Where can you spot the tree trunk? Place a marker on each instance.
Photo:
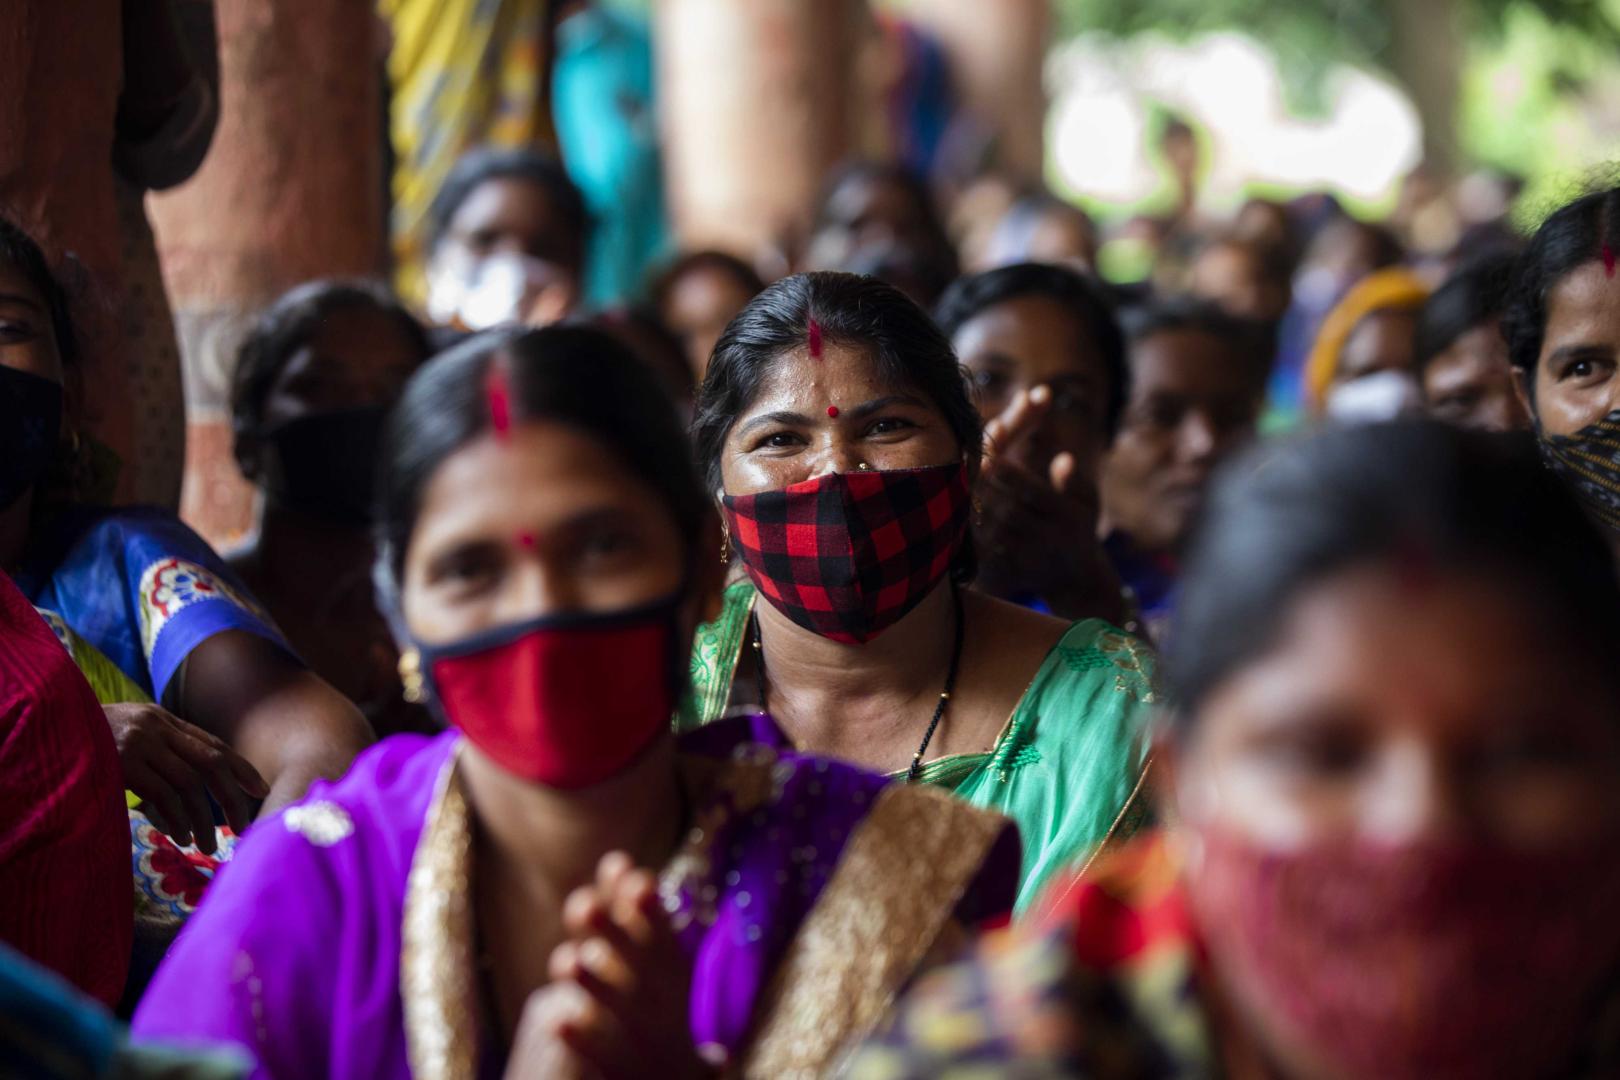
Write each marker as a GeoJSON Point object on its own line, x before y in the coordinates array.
{"type": "Point", "coordinates": [1426, 55]}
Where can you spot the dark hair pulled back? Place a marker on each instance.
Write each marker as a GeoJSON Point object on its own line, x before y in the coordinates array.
{"type": "Point", "coordinates": [1571, 237]}
{"type": "Point", "coordinates": [852, 310]}
{"type": "Point", "coordinates": [1293, 512]}
{"type": "Point", "coordinates": [290, 322]}
{"type": "Point", "coordinates": [573, 375]}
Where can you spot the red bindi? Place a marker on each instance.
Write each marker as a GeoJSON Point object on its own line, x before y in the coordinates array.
{"type": "Point", "coordinates": [527, 541]}
{"type": "Point", "coordinates": [832, 411]}
{"type": "Point", "coordinates": [1608, 261]}
{"type": "Point", "coordinates": [815, 340]}
{"type": "Point", "coordinates": [499, 396]}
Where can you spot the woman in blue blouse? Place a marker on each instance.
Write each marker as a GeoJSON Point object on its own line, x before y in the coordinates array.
{"type": "Point", "coordinates": [233, 704]}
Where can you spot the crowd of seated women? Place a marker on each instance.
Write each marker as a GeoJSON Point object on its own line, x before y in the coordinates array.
{"type": "Point", "coordinates": [765, 680]}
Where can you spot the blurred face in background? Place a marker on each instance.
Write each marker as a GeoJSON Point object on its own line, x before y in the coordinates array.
{"type": "Point", "coordinates": [1266, 224]}
{"type": "Point", "coordinates": [1233, 275]}
{"type": "Point", "coordinates": [698, 305]}
{"type": "Point", "coordinates": [1061, 235]}
{"type": "Point", "coordinates": [1343, 253]}
{"type": "Point", "coordinates": [870, 211]}
{"type": "Point", "coordinates": [509, 254]}
{"type": "Point", "coordinates": [1470, 382]}
{"type": "Point", "coordinates": [1193, 399]}
{"type": "Point", "coordinates": [878, 224]}
{"type": "Point", "coordinates": [357, 357]}
{"type": "Point", "coordinates": [1031, 341]}
{"type": "Point", "coordinates": [1383, 341]}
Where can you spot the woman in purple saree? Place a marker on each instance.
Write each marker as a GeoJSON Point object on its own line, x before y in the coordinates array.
{"type": "Point", "coordinates": [557, 886]}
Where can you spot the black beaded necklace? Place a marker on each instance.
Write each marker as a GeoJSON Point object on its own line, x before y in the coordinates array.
{"type": "Point", "coordinates": [944, 698]}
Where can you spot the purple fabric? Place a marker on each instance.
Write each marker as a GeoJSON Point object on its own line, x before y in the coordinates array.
{"type": "Point", "coordinates": [294, 953]}
{"type": "Point", "coordinates": [769, 869]}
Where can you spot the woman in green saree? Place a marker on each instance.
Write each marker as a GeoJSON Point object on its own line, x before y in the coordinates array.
{"type": "Point", "coordinates": [835, 428]}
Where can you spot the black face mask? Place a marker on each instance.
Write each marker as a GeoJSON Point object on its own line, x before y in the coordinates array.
{"type": "Point", "coordinates": [324, 464]}
{"type": "Point", "coordinates": [1589, 462]}
{"type": "Point", "coordinates": [30, 426]}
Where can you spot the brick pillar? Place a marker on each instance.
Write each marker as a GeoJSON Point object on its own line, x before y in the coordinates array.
{"type": "Point", "coordinates": [291, 190]}
{"type": "Point", "coordinates": [757, 102]}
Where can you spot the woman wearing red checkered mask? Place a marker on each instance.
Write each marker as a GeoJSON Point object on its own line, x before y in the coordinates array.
{"type": "Point", "coordinates": [836, 432]}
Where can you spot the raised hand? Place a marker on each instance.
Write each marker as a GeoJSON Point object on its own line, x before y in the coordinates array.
{"type": "Point", "coordinates": [1037, 529]}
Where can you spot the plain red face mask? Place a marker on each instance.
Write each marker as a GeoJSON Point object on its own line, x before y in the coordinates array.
{"type": "Point", "coordinates": [1416, 961]}
{"type": "Point", "coordinates": [566, 701]}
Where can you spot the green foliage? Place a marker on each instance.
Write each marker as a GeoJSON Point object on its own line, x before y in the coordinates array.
{"type": "Point", "coordinates": [1356, 30]}
{"type": "Point", "coordinates": [1532, 68]}
{"type": "Point", "coordinates": [1307, 35]}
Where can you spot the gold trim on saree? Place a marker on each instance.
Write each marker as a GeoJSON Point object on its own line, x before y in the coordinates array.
{"type": "Point", "coordinates": [436, 980]}
{"type": "Point", "coordinates": [437, 971]}
{"type": "Point", "coordinates": [902, 873]}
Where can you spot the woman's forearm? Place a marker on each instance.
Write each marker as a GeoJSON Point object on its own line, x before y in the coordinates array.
{"type": "Point", "coordinates": [290, 724]}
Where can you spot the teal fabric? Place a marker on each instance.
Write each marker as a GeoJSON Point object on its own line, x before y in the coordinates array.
{"type": "Point", "coordinates": [607, 129]}
{"type": "Point", "coordinates": [50, 1030]}
{"type": "Point", "coordinates": [1067, 766]}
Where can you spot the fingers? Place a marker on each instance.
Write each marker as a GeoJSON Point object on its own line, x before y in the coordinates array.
{"type": "Point", "coordinates": [227, 775]}
{"type": "Point", "coordinates": [1062, 472]}
{"type": "Point", "coordinates": [635, 908]}
{"type": "Point", "coordinates": [1019, 419]}
{"type": "Point", "coordinates": [159, 802]}
{"type": "Point", "coordinates": [1011, 484]}
{"type": "Point", "coordinates": [611, 869]}
{"type": "Point", "coordinates": [621, 906]}
{"type": "Point", "coordinates": [536, 1049]}
{"type": "Point", "coordinates": [585, 1019]}
{"type": "Point", "coordinates": [588, 914]}
{"type": "Point", "coordinates": [175, 763]}
{"type": "Point", "coordinates": [598, 969]}
{"type": "Point", "coordinates": [197, 817]}
{"type": "Point", "coordinates": [625, 957]}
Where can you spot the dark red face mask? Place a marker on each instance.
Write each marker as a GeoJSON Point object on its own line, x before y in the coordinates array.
{"type": "Point", "coordinates": [563, 701]}
{"type": "Point", "coordinates": [1415, 961]}
{"type": "Point", "coordinates": [847, 555]}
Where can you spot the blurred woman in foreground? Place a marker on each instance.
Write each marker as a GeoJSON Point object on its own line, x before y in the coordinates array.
{"type": "Point", "coordinates": [1393, 795]}
{"type": "Point", "coordinates": [558, 886]}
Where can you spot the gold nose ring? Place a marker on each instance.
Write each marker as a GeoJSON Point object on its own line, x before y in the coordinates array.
{"type": "Point", "coordinates": [863, 467]}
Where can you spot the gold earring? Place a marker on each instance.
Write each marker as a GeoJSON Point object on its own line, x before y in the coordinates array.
{"type": "Point", "coordinates": [410, 674]}
{"type": "Point", "coordinates": [725, 543]}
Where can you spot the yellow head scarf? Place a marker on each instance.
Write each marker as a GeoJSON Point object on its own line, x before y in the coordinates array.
{"type": "Point", "coordinates": [1384, 290]}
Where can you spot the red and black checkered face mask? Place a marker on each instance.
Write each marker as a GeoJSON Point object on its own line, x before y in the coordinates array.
{"type": "Point", "coordinates": [847, 555]}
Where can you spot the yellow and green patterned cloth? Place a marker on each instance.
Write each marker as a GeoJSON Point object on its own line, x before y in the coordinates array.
{"type": "Point", "coordinates": [463, 73]}
{"type": "Point", "coordinates": [1069, 764]}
